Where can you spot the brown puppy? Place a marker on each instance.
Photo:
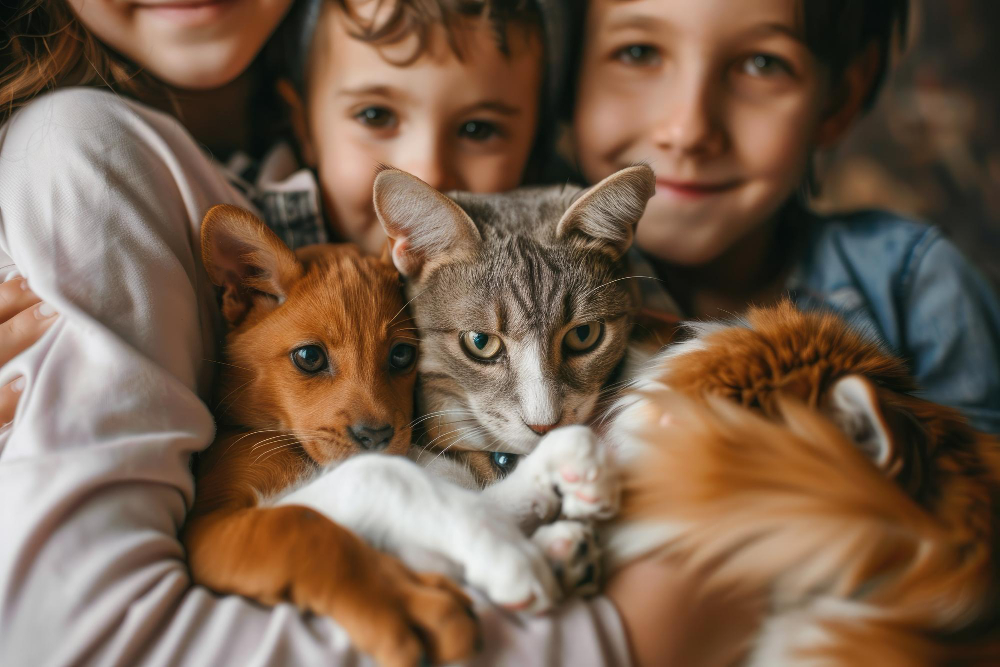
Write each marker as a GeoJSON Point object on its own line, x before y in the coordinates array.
{"type": "Point", "coordinates": [319, 365]}
{"type": "Point", "coordinates": [789, 455]}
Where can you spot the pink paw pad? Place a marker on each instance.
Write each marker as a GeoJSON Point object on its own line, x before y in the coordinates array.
{"type": "Point", "coordinates": [569, 474]}
{"type": "Point", "coordinates": [559, 549]}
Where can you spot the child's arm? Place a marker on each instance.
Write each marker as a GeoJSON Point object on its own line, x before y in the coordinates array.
{"type": "Point", "coordinates": [952, 330]}
{"type": "Point", "coordinates": [98, 203]}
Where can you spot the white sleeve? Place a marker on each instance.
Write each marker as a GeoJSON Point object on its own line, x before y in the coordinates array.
{"type": "Point", "coordinates": [100, 201]}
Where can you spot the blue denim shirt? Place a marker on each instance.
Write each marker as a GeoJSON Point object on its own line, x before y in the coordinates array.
{"type": "Point", "coordinates": [910, 287]}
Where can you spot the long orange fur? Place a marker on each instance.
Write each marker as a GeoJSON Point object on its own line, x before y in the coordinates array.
{"type": "Point", "coordinates": [867, 567]}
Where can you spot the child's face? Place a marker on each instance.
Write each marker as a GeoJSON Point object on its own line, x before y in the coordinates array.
{"type": "Point", "coordinates": [722, 99]}
{"type": "Point", "coordinates": [464, 124]}
{"type": "Point", "coordinates": [195, 44]}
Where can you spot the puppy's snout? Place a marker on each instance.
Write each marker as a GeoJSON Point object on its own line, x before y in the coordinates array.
{"type": "Point", "coordinates": [371, 437]}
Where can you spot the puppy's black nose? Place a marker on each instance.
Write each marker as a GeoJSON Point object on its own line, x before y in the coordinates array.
{"type": "Point", "coordinates": [372, 438]}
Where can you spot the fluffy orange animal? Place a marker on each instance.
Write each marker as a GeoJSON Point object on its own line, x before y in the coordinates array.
{"type": "Point", "coordinates": [789, 456]}
{"type": "Point", "coordinates": [319, 366]}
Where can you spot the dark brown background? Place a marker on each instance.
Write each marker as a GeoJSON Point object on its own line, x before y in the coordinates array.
{"type": "Point", "coordinates": [931, 148]}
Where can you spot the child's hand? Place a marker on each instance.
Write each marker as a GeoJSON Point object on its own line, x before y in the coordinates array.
{"type": "Point", "coordinates": [23, 320]}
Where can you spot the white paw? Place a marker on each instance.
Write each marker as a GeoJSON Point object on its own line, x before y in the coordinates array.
{"type": "Point", "coordinates": [511, 569]}
{"type": "Point", "coordinates": [572, 549]}
{"type": "Point", "coordinates": [570, 465]}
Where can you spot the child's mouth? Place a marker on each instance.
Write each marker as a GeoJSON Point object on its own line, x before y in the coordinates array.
{"type": "Point", "coordinates": [692, 189]}
{"type": "Point", "coordinates": [188, 12]}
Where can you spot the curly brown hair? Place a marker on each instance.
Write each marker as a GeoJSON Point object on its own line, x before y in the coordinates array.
{"type": "Point", "coordinates": [402, 20]}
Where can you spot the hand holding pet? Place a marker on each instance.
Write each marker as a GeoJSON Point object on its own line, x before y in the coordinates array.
{"type": "Point", "coordinates": [23, 320]}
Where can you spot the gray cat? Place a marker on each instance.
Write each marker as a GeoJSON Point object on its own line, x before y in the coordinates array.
{"type": "Point", "coordinates": [522, 301]}
{"type": "Point", "coordinates": [524, 311]}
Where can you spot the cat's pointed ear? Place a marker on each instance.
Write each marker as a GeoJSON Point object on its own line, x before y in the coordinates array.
{"type": "Point", "coordinates": [424, 226]}
{"type": "Point", "coordinates": [853, 405]}
{"type": "Point", "coordinates": [606, 214]}
{"type": "Point", "coordinates": [246, 259]}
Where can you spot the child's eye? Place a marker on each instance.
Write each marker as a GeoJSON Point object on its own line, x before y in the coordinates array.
{"type": "Point", "coordinates": [638, 54]}
{"type": "Point", "coordinates": [376, 117]}
{"type": "Point", "coordinates": [478, 130]}
{"type": "Point", "coordinates": [762, 64]}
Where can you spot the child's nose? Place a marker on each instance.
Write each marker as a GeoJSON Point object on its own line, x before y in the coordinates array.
{"type": "Point", "coordinates": [687, 120]}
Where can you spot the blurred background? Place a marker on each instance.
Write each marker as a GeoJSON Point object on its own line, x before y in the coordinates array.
{"type": "Point", "coordinates": [931, 148]}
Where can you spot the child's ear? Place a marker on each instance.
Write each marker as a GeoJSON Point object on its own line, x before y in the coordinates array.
{"type": "Point", "coordinates": [296, 106]}
{"type": "Point", "coordinates": [424, 227]}
{"type": "Point", "coordinates": [848, 99]}
{"type": "Point", "coordinates": [246, 259]}
{"type": "Point", "coordinates": [605, 215]}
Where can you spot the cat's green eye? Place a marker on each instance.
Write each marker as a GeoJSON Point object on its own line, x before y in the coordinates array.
{"type": "Point", "coordinates": [481, 345]}
{"type": "Point", "coordinates": [583, 337]}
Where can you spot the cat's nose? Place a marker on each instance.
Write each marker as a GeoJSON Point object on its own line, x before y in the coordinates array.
{"type": "Point", "coordinates": [371, 437]}
{"type": "Point", "coordinates": [541, 429]}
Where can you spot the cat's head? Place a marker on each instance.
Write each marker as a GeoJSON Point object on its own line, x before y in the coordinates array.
{"type": "Point", "coordinates": [523, 300]}
{"type": "Point", "coordinates": [319, 351]}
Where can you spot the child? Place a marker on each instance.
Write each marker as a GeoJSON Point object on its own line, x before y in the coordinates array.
{"type": "Point", "coordinates": [464, 104]}
{"type": "Point", "coordinates": [728, 108]}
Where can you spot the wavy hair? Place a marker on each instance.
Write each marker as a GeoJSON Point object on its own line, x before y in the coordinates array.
{"type": "Point", "coordinates": [45, 47]}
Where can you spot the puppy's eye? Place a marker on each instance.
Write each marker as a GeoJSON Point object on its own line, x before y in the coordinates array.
{"type": "Point", "coordinates": [309, 358]}
{"type": "Point", "coordinates": [503, 462]}
{"type": "Point", "coordinates": [583, 337]}
{"type": "Point", "coordinates": [480, 345]}
{"type": "Point", "coordinates": [402, 356]}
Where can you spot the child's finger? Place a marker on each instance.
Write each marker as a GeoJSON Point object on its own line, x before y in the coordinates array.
{"type": "Point", "coordinates": [15, 297]}
{"type": "Point", "coordinates": [21, 331]}
{"type": "Point", "coordinates": [10, 394]}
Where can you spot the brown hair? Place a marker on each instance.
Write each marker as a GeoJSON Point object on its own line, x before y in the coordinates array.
{"type": "Point", "coordinates": [839, 31]}
{"type": "Point", "coordinates": [404, 19]}
{"type": "Point", "coordinates": [47, 47]}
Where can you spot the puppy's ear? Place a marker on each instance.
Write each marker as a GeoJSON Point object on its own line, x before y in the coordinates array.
{"type": "Point", "coordinates": [424, 227]}
{"type": "Point", "coordinates": [853, 405]}
{"type": "Point", "coordinates": [246, 259]}
{"type": "Point", "coordinates": [605, 215]}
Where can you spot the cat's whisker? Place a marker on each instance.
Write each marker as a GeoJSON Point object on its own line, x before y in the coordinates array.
{"type": "Point", "coordinates": [439, 413]}
{"type": "Point", "coordinates": [457, 430]}
{"type": "Point", "coordinates": [273, 438]}
{"type": "Point", "coordinates": [223, 399]}
{"type": "Point", "coordinates": [403, 309]}
{"type": "Point", "coordinates": [457, 440]}
{"type": "Point", "coordinates": [249, 433]}
{"type": "Point", "coordinates": [616, 280]}
{"type": "Point", "coordinates": [224, 363]}
{"type": "Point", "coordinates": [467, 436]}
{"type": "Point", "coordinates": [271, 451]}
